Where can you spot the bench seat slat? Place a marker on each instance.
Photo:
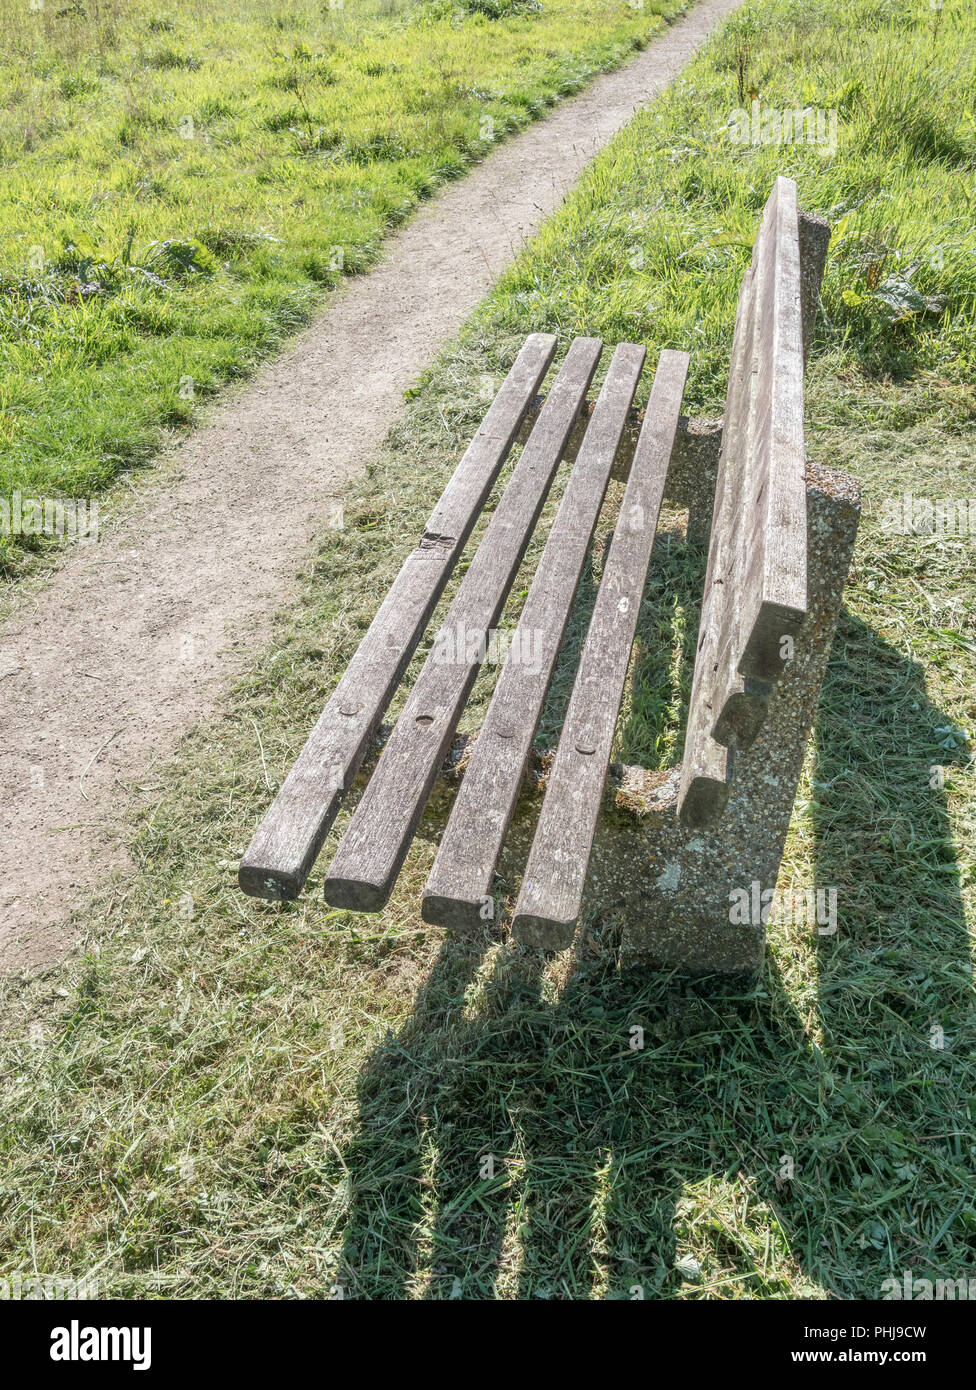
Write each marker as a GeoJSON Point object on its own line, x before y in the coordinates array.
{"type": "Point", "coordinates": [457, 890]}
{"type": "Point", "coordinates": [549, 902]}
{"type": "Point", "coordinates": [286, 844]}
{"type": "Point", "coordinates": [370, 854]}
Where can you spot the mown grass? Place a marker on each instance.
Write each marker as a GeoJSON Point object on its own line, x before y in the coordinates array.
{"type": "Point", "coordinates": [225, 1098]}
{"type": "Point", "coordinates": [178, 184]}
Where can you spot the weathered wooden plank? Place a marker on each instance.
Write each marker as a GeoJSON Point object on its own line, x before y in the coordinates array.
{"type": "Point", "coordinates": [551, 895]}
{"type": "Point", "coordinates": [743, 714]}
{"type": "Point", "coordinates": [755, 588]}
{"type": "Point", "coordinates": [774, 586]}
{"type": "Point", "coordinates": [369, 856]}
{"type": "Point", "coordinates": [706, 766]}
{"type": "Point", "coordinates": [457, 890]}
{"type": "Point", "coordinates": [286, 844]}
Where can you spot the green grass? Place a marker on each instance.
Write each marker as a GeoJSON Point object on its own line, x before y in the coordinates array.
{"type": "Point", "coordinates": [179, 184]}
{"type": "Point", "coordinates": [654, 244]}
{"type": "Point", "coordinates": [227, 1098]}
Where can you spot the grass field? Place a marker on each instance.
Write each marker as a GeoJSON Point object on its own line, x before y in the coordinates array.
{"type": "Point", "coordinates": [179, 183]}
{"type": "Point", "coordinates": [226, 1098]}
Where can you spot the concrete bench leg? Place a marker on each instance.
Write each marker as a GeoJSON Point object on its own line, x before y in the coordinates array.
{"type": "Point", "coordinates": [672, 890]}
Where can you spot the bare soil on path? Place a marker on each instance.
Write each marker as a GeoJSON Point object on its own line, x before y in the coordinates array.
{"type": "Point", "coordinates": [133, 640]}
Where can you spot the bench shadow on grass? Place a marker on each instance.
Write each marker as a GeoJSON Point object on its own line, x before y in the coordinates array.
{"type": "Point", "coordinates": [511, 1143]}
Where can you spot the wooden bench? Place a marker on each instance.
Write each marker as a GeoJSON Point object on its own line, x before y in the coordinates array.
{"type": "Point", "coordinates": [765, 627]}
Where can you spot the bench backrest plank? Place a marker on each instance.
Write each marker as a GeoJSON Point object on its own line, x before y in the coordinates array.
{"type": "Point", "coordinates": [756, 581]}
{"type": "Point", "coordinates": [706, 766]}
{"type": "Point", "coordinates": [774, 522]}
{"type": "Point", "coordinates": [457, 891]}
{"type": "Point", "coordinates": [286, 844]}
{"type": "Point", "coordinates": [549, 902]}
{"type": "Point", "coordinates": [369, 856]}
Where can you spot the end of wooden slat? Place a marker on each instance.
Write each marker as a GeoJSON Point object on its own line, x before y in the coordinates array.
{"type": "Point", "coordinates": [547, 342]}
{"type": "Point", "coordinates": [704, 803]}
{"type": "Point", "coordinates": [742, 715]}
{"type": "Point", "coordinates": [674, 363]}
{"type": "Point", "coordinates": [276, 885]}
{"type": "Point", "coordinates": [356, 895]}
{"type": "Point", "coordinates": [275, 865]}
{"type": "Point", "coordinates": [456, 914]}
{"type": "Point", "coordinates": [543, 933]}
{"type": "Point", "coordinates": [769, 646]}
{"type": "Point", "coordinates": [286, 844]}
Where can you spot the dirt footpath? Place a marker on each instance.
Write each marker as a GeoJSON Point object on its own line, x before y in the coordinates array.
{"type": "Point", "coordinates": [132, 640]}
